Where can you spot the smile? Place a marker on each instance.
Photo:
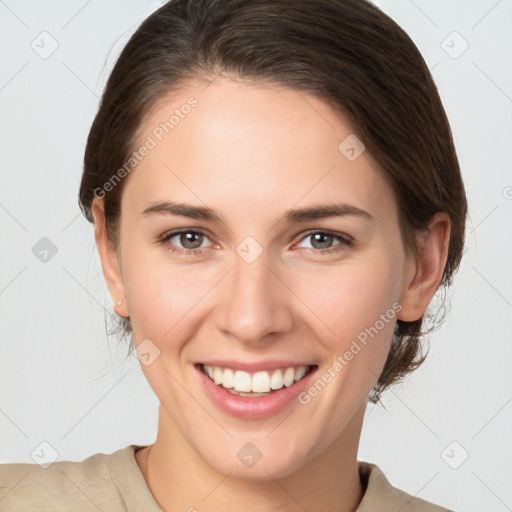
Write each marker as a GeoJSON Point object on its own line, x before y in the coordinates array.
{"type": "Point", "coordinates": [260, 383]}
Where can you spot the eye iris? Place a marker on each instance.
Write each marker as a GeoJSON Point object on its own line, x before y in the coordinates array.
{"type": "Point", "coordinates": [324, 244]}
{"type": "Point", "coordinates": [185, 238]}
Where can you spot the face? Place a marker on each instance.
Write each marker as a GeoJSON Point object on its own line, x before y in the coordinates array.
{"type": "Point", "coordinates": [242, 282]}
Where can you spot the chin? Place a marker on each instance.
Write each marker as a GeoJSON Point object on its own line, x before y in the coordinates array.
{"type": "Point", "coordinates": [256, 458]}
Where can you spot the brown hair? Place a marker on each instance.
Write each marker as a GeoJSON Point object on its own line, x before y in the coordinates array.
{"type": "Point", "coordinates": [345, 52]}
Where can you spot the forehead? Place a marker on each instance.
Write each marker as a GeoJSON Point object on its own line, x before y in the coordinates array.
{"type": "Point", "coordinates": [249, 144]}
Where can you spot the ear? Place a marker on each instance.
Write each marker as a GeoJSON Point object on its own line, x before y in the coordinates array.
{"type": "Point", "coordinates": [110, 262]}
{"type": "Point", "coordinates": [426, 269]}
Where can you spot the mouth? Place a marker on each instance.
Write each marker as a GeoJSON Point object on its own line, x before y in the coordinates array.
{"type": "Point", "coordinates": [255, 384]}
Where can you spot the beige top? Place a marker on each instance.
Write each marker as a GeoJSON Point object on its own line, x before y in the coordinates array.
{"type": "Point", "coordinates": [114, 483]}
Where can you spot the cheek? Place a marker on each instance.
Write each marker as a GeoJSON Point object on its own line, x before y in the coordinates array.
{"type": "Point", "coordinates": [350, 298]}
{"type": "Point", "coordinates": [161, 307]}
{"type": "Point", "coordinates": [164, 301]}
{"type": "Point", "coordinates": [358, 302]}
{"type": "Point", "coordinates": [161, 294]}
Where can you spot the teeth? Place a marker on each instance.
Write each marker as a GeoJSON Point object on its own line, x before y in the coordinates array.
{"type": "Point", "coordinates": [276, 381]}
{"type": "Point", "coordinates": [242, 382]}
{"type": "Point", "coordinates": [217, 374]}
{"type": "Point", "coordinates": [300, 372]}
{"type": "Point", "coordinates": [227, 378]}
{"type": "Point", "coordinates": [289, 376]}
{"type": "Point", "coordinates": [259, 382]}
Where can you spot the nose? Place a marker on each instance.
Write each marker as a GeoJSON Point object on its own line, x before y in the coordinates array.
{"type": "Point", "coordinates": [254, 302]}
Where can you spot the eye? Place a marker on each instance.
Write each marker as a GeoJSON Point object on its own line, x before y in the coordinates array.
{"type": "Point", "coordinates": [322, 241]}
{"type": "Point", "coordinates": [190, 240]}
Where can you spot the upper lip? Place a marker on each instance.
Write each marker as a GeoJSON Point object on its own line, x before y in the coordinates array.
{"type": "Point", "coordinates": [269, 364]}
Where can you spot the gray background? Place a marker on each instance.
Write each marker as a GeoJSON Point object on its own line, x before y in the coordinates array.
{"type": "Point", "coordinates": [63, 381]}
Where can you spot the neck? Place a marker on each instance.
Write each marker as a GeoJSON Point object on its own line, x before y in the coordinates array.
{"type": "Point", "coordinates": [180, 480]}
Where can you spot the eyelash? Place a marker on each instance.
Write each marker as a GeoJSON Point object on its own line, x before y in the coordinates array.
{"type": "Point", "coordinates": [345, 241]}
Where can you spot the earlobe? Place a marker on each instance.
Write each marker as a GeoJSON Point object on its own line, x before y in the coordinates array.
{"type": "Point", "coordinates": [109, 259]}
{"type": "Point", "coordinates": [426, 271]}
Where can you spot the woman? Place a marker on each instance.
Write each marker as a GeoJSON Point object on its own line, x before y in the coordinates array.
{"type": "Point", "coordinates": [276, 199]}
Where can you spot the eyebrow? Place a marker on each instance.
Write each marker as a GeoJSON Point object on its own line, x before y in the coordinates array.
{"type": "Point", "coordinates": [291, 216]}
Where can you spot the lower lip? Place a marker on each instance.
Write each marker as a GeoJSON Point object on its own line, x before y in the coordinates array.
{"type": "Point", "coordinates": [253, 408]}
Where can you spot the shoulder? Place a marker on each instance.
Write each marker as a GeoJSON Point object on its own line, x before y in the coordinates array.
{"type": "Point", "coordinates": [381, 495]}
{"type": "Point", "coordinates": [86, 485]}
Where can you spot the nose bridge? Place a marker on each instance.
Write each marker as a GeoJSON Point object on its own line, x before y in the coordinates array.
{"type": "Point", "coordinates": [254, 303]}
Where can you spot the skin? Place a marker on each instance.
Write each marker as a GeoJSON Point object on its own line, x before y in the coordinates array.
{"type": "Point", "coordinates": [252, 152]}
